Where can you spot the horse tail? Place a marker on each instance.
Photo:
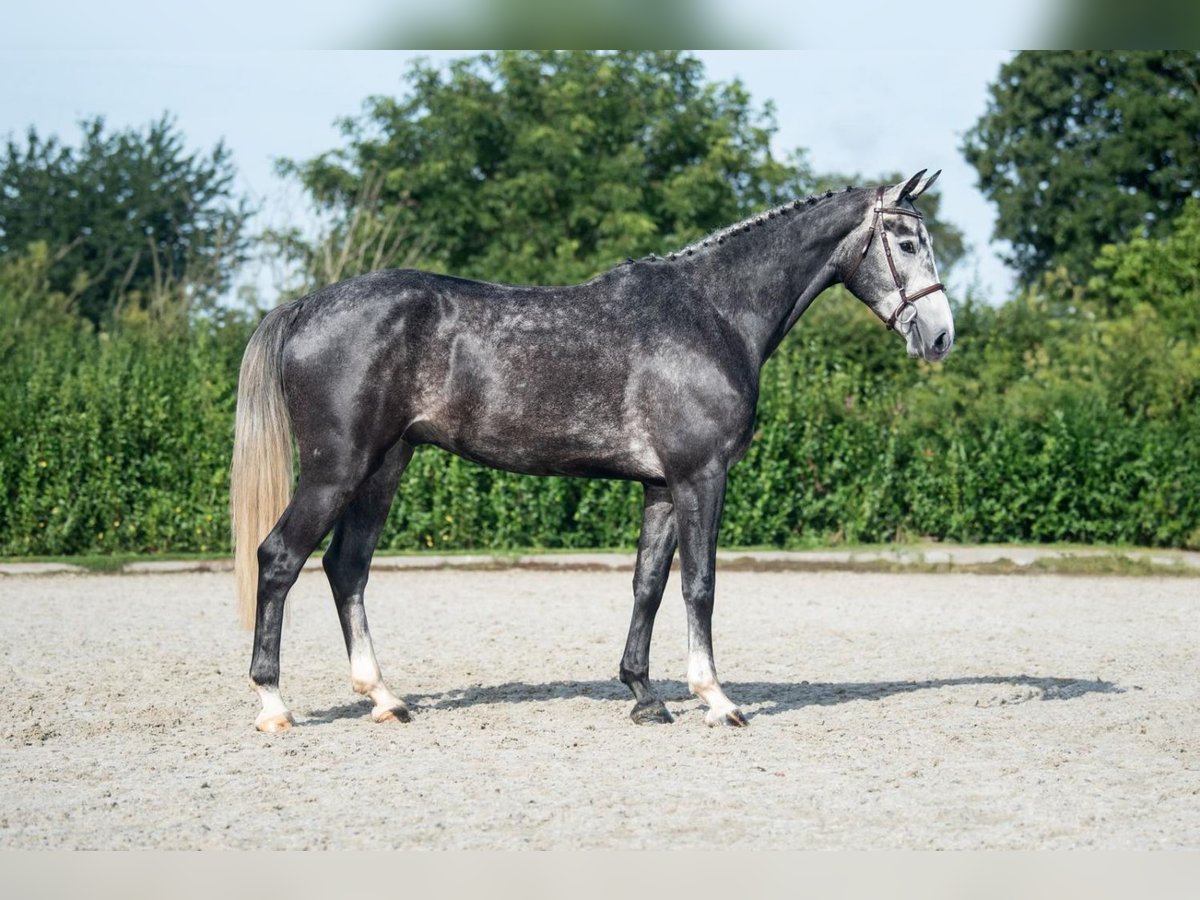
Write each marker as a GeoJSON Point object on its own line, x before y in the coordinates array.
{"type": "Point", "coordinates": [260, 477]}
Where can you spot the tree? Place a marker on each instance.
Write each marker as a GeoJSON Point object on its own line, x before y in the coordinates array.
{"type": "Point", "coordinates": [548, 167]}
{"type": "Point", "coordinates": [1079, 149]}
{"type": "Point", "coordinates": [1164, 273]}
{"type": "Point", "coordinates": [544, 167]}
{"type": "Point", "coordinates": [125, 214]}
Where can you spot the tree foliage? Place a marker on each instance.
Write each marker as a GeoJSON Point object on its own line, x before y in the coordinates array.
{"type": "Point", "coordinates": [1079, 149]}
{"type": "Point", "coordinates": [548, 167]}
{"type": "Point", "coordinates": [1163, 274]}
{"type": "Point", "coordinates": [545, 167]}
{"type": "Point", "coordinates": [126, 214]}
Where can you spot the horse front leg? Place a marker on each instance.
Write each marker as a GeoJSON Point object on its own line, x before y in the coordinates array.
{"type": "Point", "coordinates": [348, 565]}
{"type": "Point", "coordinates": [698, 504]}
{"type": "Point", "coordinates": [656, 549]}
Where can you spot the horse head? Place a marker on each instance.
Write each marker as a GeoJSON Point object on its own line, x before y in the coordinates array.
{"type": "Point", "coordinates": [888, 264]}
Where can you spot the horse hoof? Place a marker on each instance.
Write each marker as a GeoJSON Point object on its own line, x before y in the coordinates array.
{"type": "Point", "coordinates": [274, 722]}
{"type": "Point", "coordinates": [732, 717]}
{"type": "Point", "coordinates": [398, 713]}
{"type": "Point", "coordinates": [651, 712]}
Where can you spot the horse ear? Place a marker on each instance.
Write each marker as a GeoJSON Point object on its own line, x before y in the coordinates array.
{"type": "Point", "coordinates": [925, 185]}
{"type": "Point", "coordinates": [907, 190]}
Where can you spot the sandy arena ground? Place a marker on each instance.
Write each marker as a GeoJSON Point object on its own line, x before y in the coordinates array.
{"type": "Point", "coordinates": [886, 711]}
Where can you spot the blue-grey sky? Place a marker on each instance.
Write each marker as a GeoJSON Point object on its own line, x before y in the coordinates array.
{"type": "Point", "coordinates": [854, 111]}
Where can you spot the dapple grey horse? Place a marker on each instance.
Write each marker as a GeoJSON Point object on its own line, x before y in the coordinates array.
{"type": "Point", "coordinates": [648, 372]}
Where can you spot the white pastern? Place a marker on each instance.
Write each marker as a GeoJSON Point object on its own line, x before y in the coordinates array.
{"type": "Point", "coordinates": [274, 715]}
{"type": "Point", "coordinates": [702, 682]}
{"type": "Point", "coordinates": [367, 680]}
{"type": "Point", "coordinates": [364, 672]}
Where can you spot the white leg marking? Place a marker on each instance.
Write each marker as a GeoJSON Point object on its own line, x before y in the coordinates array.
{"type": "Point", "coordinates": [702, 681]}
{"type": "Point", "coordinates": [366, 679]}
{"type": "Point", "coordinates": [364, 670]}
{"type": "Point", "coordinates": [274, 715]}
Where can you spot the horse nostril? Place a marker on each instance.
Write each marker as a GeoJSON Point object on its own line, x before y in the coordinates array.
{"type": "Point", "coordinates": [941, 343]}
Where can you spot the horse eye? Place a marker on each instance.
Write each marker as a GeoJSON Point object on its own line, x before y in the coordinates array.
{"type": "Point", "coordinates": [907, 247]}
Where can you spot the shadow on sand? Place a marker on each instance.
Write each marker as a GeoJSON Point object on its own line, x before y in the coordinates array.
{"type": "Point", "coordinates": [766, 698]}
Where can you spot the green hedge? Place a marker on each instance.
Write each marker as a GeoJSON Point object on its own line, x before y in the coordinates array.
{"type": "Point", "coordinates": [119, 440]}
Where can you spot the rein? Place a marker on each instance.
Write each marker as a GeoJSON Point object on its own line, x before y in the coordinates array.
{"type": "Point", "coordinates": [906, 300]}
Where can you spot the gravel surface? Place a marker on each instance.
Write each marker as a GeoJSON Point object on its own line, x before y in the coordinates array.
{"type": "Point", "coordinates": [886, 711]}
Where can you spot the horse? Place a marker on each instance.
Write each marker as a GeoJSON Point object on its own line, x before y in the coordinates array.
{"type": "Point", "coordinates": [648, 372]}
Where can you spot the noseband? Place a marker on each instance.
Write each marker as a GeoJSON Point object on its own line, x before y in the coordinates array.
{"type": "Point", "coordinates": [906, 300]}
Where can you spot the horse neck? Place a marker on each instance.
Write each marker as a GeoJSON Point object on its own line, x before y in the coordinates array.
{"type": "Point", "coordinates": [762, 280]}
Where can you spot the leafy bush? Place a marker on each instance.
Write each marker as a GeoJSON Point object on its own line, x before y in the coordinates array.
{"type": "Point", "coordinates": [1062, 416]}
{"type": "Point", "coordinates": [112, 440]}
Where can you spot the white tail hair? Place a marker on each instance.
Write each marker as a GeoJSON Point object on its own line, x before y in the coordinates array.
{"type": "Point", "coordinates": [260, 478]}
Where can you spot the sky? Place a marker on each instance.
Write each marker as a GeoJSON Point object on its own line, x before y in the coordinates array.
{"type": "Point", "coordinates": [853, 110]}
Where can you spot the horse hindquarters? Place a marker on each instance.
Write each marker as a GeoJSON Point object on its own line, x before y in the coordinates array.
{"type": "Point", "coordinates": [332, 469]}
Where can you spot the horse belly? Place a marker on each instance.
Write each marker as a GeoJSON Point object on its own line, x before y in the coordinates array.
{"type": "Point", "coordinates": [531, 448]}
{"type": "Point", "coordinates": [554, 408]}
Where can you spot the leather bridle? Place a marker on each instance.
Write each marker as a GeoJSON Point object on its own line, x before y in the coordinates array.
{"type": "Point", "coordinates": [906, 300]}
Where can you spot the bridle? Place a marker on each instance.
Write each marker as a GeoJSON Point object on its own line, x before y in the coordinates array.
{"type": "Point", "coordinates": [906, 300]}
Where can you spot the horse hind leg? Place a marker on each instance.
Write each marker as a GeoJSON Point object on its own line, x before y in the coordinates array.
{"type": "Point", "coordinates": [347, 565]}
{"type": "Point", "coordinates": [319, 500]}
